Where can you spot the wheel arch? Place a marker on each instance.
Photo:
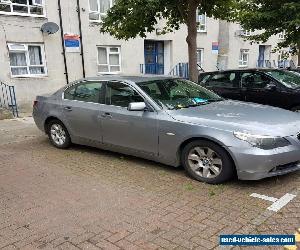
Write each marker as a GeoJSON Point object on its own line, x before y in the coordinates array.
{"type": "Point", "coordinates": [213, 140]}
{"type": "Point", "coordinates": [51, 118]}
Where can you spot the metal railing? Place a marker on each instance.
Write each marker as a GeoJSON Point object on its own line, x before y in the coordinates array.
{"type": "Point", "coordinates": [282, 64]}
{"type": "Point", "coordinates": [181, 70]}
{"type": "Point", "coordinates": [8, 98]}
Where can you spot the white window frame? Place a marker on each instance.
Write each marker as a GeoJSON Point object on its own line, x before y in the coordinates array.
{"type": "Point", "coordinates": [281, 35]}
{"type": "Point", "coordinates": [202, 57]}
{"type": "Point", "coordinates": [244, 63]}
{"type": "Point", "coordinates": [108, 53]}
{"type": "Point", "coordinates": [246, 33]}
{"type": "Point", "coordinates": [9, 45]}
{"type": "Point", "coordinates": [203, 24]}
{"type": "Point", "coordinates": [98, 11]}
{"type": "Point", "coordinates": [14, 13]}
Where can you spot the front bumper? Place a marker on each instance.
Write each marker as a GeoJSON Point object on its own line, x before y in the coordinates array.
{"type": "Point", "coordinates": [254, 164]}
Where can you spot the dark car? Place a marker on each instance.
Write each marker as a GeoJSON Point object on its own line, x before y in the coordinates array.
{"type": "Point", "coordinates": [279, 88]}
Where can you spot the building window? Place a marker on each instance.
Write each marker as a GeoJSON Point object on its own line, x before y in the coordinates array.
{"type": "Point", "coordinates": [99, 8]}
{"type": "Point", "coordinates": [200, 53]}
{"type": "Point", "coordinates": [281, 35]}
{"type": "Point", "coordinates": [109, 60]}
{"type": "Point", "coordinates": [201, 22]}
{"type": "Point", "coordinates": [27, 60]}
{"type": "Point", "coordinates": [244, 58]}
{"type": "Point", "coordinates": [245, 32]}
{"type": "Point", "coordinates": [22, 7]}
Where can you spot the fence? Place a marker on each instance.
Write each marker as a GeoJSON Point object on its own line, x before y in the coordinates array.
{"type": "Point", "coordinates": [8, 98]}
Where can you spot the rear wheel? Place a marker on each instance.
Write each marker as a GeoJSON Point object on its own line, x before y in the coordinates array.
{"type": "Point", "coordinates": [208, 162]}
{"type": "Point", "coordinates": [58, 134]}
{"type": "Point", "coordinates": [296, 109]}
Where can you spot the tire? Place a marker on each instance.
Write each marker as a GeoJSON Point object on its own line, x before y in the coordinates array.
{"type": "Point", "coordinates": [207, 162]}
{"type": "Point", "coordinates": [296, 109]}
{"type": "Point", "coordinates": [58, 134]}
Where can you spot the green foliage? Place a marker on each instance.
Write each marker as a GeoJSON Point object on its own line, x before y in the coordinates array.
{"type": "Point", "coordinates": [131, 18]}
{"type": "Point", "coordinates": [271, 17]}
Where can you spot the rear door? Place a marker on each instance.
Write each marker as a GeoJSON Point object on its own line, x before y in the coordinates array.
{"type": "Point", "coordinates": [81, 107]}
{"type": "Point", "coordinates": [254, 86]}
{"type": "Point", "coordinates": [225, 84]}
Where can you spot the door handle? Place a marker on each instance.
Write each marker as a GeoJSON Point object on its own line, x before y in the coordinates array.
{"type": "Point", "coordinates": [68, 109]}
{"type": "Point", "coordinates": [106, 115]}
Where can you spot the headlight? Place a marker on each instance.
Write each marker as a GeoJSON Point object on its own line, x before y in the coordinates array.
{"type": "Point", "coordinates": [263, 142]}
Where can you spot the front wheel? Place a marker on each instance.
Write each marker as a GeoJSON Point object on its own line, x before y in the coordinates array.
{"type": "Point", "coordinates": [58, 134]}
{"type": "Point", "coordinates": [207, 162]}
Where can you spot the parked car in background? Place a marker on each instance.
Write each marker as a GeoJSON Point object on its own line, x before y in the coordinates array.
{"type": "Point", "coordinates": [175, 122]}
{"type": "Point", "coordinates": [279, 88]}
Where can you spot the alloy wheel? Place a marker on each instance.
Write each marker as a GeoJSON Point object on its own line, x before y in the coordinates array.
{"type": "Point", "coordinates": [205, 162]}
{"type": "Point", "coordinates": [58, 134]}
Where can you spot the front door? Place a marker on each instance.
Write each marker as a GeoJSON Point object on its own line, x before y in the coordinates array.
{"type": "Point", "coordinates": [128, 130]}
{"type": "Point", "coordinates": [154, 57]}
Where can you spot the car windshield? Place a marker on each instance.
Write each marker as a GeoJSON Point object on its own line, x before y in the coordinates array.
{"type": "Point", "coordinates": [178, 93]}
{"type": "Point", "coordinates": [289, 79]}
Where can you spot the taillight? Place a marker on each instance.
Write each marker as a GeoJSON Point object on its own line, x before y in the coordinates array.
{"type": "Point", "coordinates": [35, 103]}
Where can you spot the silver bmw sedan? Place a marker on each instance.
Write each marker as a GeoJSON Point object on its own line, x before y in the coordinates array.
{"type": "Point", "coordinates": [175, 122]}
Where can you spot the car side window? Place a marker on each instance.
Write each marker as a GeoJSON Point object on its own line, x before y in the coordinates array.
{"type": "Point", "coordinates": [85, 92]}
{"type": "Point", "coordinates": [121, 95]}
{"type": "Point", "coordinates": [254, 80]}
{"type": "Point", "coordinates": [204, 79]}
{"type": "Point", "coordinates": [223, 80]}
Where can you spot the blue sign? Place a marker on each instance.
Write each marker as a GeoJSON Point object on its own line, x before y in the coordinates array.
{"type": "Point", "coordinates": [257, 240]}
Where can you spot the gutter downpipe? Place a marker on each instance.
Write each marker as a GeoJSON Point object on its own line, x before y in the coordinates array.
{"type": "Point", "coordinates": [80, 34]}
{"type": "Point", "coordinates": [62, 41]}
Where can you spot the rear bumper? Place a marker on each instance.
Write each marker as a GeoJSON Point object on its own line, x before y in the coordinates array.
{"type": "Point", "coordinates": [255, 164]}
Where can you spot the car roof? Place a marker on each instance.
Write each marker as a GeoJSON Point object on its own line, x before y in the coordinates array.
{"type": "Point", "coordinates": [240, 70]}
{"type": "Point", "coordinates": [132, 78]}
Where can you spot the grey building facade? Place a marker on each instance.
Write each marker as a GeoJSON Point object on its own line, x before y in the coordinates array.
{"type": "Point", "coordinates": [36, 62]}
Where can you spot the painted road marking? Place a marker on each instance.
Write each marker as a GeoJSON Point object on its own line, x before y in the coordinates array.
{"type": "Point", "coordinates": [277, 203]}
{"type": "Point", "coordinates": [284, 200]}
{"type": "Point", "coordinates": [264, 197]}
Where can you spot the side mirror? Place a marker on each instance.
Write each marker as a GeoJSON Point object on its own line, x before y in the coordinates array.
{"type": "Point", "coordinates": [137, 106]}
{"type": "Point", "coordinates": [271, 87]}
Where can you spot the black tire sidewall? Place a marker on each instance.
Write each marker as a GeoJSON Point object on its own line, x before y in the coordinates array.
{"type": "Point", "coordinates": [227, 169]}
{"type": "Point", "coordinates": [68, 138]}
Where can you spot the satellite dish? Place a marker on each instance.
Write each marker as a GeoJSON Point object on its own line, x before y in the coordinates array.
{"type": "Point", "coordinates": [49, 28]}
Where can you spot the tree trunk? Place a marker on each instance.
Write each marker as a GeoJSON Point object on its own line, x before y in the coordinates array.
{"type": "Point", "coordinates": [191, 40]}
{"type": "Point", "coordinates": [299, 55]}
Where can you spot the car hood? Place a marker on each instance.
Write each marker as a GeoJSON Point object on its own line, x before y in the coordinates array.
{"type": "Point", "coordinates": [241, 116]}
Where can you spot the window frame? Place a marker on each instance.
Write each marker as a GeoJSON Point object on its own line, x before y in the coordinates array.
{"type": "Point", "coordinates": [126, 84]}
{"type": "Point", "coordinates": [235, 81]}
{"type": "Point", "coordinates": [28, 65]}
{"type": "Point", "coordinates": [98, 11]}
{"type": "Point", "coordinates": [242, 63]}
{"type": "Point", "coordinates": [199, 24]}
{"type": "Point", "coordinates": [76, 84]}
{"type": "Point", "coordinates": [28, 14]}
{"type": "Point", "coordinates": [108, 53]}
{"type": "Point", "coordinates": [282, 35]}
{"type": "Point", "coordinates": [202, 57]}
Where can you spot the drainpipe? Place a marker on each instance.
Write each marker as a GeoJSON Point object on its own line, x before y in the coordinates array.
{"type": "Point", "coordinates": [80, 34]}
{"type": "Point", "coordinates": [62, 41]}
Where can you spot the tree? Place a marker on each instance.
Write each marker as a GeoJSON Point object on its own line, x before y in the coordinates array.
{"type": "Point", "coordinates": [272, 17]}
{"type": "Point", "coordinates": [131, 18]}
